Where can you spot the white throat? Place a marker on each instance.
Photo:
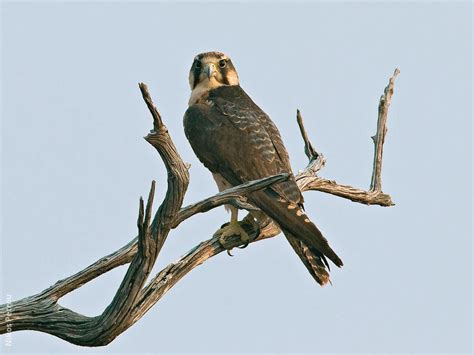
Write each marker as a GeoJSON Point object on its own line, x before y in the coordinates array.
{"type": "Point", "coordinates": [202, 89]}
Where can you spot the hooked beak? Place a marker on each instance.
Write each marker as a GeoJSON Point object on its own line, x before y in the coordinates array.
{"type": "Point", "coordinates": [210, 70]}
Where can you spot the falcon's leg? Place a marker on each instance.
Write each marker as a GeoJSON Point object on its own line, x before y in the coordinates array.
{"type": "Point", "coordinates": [233, 228]}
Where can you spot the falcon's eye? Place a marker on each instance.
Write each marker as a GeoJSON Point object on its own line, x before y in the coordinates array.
{"type": "Point", "coordinates": [222, 63]}
{"type": "Point", "coordinates": [198, 64]}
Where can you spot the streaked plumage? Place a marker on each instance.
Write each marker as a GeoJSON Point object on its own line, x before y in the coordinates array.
{"type": "Point", "coordinates": [238, 142]}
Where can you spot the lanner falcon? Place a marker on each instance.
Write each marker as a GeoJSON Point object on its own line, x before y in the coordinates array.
{"type": "Point", "coordinates": [238, 142]}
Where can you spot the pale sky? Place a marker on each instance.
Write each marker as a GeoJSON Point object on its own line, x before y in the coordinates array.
{"type": "Point", "coordinates": [74, 164]}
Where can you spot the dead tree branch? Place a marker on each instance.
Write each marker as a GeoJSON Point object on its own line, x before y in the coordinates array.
{"type": "Point", "coordinates": [374, 196]}
{"type": "Point", "coordinates": [42, 312]}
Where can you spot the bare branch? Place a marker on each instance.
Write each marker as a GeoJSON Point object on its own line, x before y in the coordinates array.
{"type": "Point", "coordinates": [133, 299]}
{"type": "Point", "coordinates": [41, 312]}
{"type": "Point", "coordinates": [157, 121]}
{"type": "Point", "coordinates": [120, 257]}
{"type": "Point", "coordinates": [379, 138]}
{"type": "Point", "coordinates": [351, 193]}
{"type": "Point", "coordinates": [309, 150]}
{"type": "Point", "coordinates": [307, 180]}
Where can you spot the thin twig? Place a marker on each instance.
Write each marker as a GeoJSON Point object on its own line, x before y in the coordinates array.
{"type": "Point", "coordinates": [379, 138]}
{"type": "Point", "coordinates": [309, 150]}
{"type": "Point", "coordinates": [157, 121]}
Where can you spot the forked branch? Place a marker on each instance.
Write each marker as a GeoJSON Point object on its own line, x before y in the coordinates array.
{"type": "Point", "coordinates": [373, 196]}
{"type": "Point", "coordinates": [133, 298]}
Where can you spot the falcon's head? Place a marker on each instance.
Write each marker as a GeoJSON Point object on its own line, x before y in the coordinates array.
{"type": "Point", "coordinates": [211, 70]}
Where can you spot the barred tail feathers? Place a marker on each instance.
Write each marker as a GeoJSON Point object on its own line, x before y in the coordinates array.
{"type": "Point", "coordinates": [314, 261]}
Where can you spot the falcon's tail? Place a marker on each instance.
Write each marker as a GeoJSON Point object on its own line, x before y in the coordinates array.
{"type": "Point", "coordinates": [314, 261]}
{"type": "Point", "coordinates": [303, 235]}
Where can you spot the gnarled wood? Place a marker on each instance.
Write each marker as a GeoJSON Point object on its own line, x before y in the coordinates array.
{"type": "Point", "coordinates": [133, 298]}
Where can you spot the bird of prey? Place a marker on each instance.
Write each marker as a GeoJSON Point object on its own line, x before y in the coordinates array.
{"type": "Point", "coordinates": [238, 142]}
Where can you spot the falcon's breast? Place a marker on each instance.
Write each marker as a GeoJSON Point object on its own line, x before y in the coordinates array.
{"type": "Point", "coordinates": [235, 139]}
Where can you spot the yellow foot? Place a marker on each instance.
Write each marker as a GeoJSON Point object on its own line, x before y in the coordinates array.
{"type": "Point", "coordinates": [232, 229]}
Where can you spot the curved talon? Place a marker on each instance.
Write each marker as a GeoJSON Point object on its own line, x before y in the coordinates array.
{"type": "Point", "coordinates": [227, 235]}
{"type": "Point", "coordinates": [224, 225]}
{"type": "Point", "coordinates": [228, 252]}
{"type": "Point", "coordinates": [244, 246]}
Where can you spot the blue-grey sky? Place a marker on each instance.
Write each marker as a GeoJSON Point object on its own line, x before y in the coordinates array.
{"type": "Point", "coordinates": [74, 164]}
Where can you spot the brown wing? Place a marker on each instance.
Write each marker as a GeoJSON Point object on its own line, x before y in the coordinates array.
{"type": "Point", "coordinates": [265, 137]}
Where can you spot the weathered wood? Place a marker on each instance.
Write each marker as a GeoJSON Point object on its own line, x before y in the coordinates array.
{"type": "Point", "coordinates": [133, 298]}
{"type": "Point", "coordinates": [379, 138]}
{"type": "Point", "coordinates": [43, 313]}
